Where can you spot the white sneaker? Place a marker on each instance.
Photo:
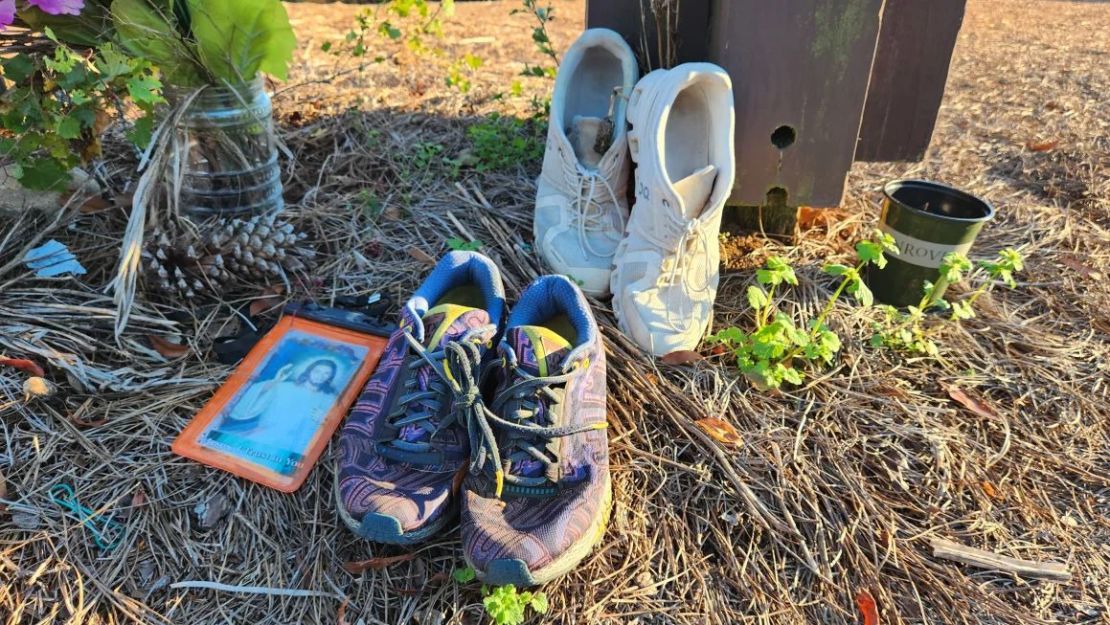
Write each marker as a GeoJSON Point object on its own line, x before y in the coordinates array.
{"type": "Point", "coordinates": [667, 268]}
{"type": "Point", "coordinates": [581, 205]}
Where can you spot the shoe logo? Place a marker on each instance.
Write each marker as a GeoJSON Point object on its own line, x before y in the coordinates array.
{"type": "Point", "coordinates": [642, 192]}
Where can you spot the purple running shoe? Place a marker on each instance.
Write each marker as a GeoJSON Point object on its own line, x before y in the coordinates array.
{"type": "Point", "coordinates": [404, 448]}
{"type": "Point", "coordinates": [538, 495]}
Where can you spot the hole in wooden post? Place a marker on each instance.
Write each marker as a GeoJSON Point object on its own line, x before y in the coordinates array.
{"type": "Point", "coordinates": [784, 137]}
{"type": "Point", "coordinates": [776, 197]}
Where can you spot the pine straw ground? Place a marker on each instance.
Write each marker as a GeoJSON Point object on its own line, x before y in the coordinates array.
{"type": "Point", "coordinates": [837, 487]}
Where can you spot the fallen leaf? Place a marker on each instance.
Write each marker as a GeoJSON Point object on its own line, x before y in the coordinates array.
{"type": "Point", "coordinates": [341, 614]}
{"type": "Point", "coordinates": [681, 357]}
{"type": "Point", "coordinates": [867, 608]}
{"type": "Point", "coordinates": [1087, 272]}
{"type": "Point", "coordinates": [651, 379]}
{"type": "Point", "coordinates": [392, 213]}
{"type": "Point", "coordinates": [810, 217]}
{"type": "Point", "coordinates": [1041, 146]}
{"type": "Point", "coordinates": [268, 300]}
{"type": "Point", "coordinates": [421, 256]}
{"type": "Point", "coordinates": [719, 350]}
{"type": "Point", "coordinates": [96, 204]}
{"type": "Point", "coordinates": [974, 405]}
{"type": "Point", "coordinates": [35, 386]}
{"type": "Point", "coordinates": [166, 348]}
{"type": "Point", "coordinates": [354, 568]}
{"type": "Point", "coordinates": [210, 512]}
{"type": "Point", "coordinates": [22, 364]}
{"type": "Point", "coordinates": [989, 489]}
{"type": "Point", "coordinates": [720, 430]}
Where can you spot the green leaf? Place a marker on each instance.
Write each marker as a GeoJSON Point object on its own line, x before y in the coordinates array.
{"type": "Point", "coordinates": [18, 68]}
{"type": "Point", "coordinates": [236, 40]}
{"type": "Point", "coordinates": [44, 174]}
{"type": "Point", "coordinates": [861, 293]}
{"type": "Point", "coordinates": [464, 575]}
{"type": "Point", "coordinates": [878, 340]}
{"type": "Point", "coordinates": [962, 310]}
{"type": "Point", "coordinates": [834, 269]}
{"type": "Point", "coordinates": [954, 266]}
{"type": "Point", "coordinates": [757, 298]}
{"type": "Point", "coordinates": [871, 252]}
{"type": "Point", "coordinates": [145, 90]}
{"type": "Point", "coordinates": [111, 62]}
{"type": "Point", "coordinates": [149, 34]}
{"type": "Point", "coordinates": [68, 127]}
{"type": "Point", "coordinates": [142, 131]}
{"type": "Point", "coordinates": [790, 375]}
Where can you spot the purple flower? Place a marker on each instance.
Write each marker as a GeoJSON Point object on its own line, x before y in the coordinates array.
{"type": "Point", "coordinates": [59, 7]}
{"type": "Point", "coordinates": [7, 13]}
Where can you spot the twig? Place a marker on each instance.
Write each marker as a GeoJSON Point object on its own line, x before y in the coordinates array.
{"type": "Point", "coordinates": [987, 560]}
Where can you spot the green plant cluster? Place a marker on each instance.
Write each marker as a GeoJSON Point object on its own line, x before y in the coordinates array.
{"type": "Point", "coordinates": [543, 15]}
{"type": "Point", "coordinates": [501, 142]}
{"type": "Point", "coordinates": [906, 331]}
{"type": "Point", "coordinates": [505, 605]}
{"type": "Point", "coordinates": [413, 21]}
{"type": "Point", "coordinates": [780, 350]}
{"type": "Point", "coordinates": [57, 104]}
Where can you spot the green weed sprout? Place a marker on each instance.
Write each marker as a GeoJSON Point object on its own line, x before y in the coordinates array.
{"type": "Point", "coordinates": [505, 605]}
{"type": "Point", "coordinates": [779, 351]}
{"type": "Point", "coordinates": [905, 331]}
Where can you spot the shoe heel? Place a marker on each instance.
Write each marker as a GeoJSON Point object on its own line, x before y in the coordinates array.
{"type": "Point", "coordinates": [639, 106]}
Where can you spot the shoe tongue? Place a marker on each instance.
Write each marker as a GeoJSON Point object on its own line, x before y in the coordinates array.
{"type": "Point", "coordinates": [695, 189]}
{"type": "Point", "coordinates": [541, 352]}
{"type": "Point", "coordinates": [583, 138]}
{"type": "Point", "coordinates": [448, 322]}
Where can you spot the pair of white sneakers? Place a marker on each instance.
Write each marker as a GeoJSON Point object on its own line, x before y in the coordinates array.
{"type": "Point", "coordinates": [661, 263]}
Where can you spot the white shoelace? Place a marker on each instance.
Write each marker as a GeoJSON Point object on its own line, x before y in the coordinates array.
{"type": "Point", "coordinates": [591, 215]}
{"type": "Point", "coordinates": [693, 231]}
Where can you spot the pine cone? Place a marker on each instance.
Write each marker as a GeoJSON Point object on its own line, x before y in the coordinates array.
{"type": "Point", "coordinates": [259, 249]}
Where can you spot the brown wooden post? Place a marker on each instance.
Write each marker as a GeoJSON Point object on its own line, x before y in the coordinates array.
{"type": "Point", "coordinates": [907, 82]}
{"type": "Point", "coordinates": [800, 70]}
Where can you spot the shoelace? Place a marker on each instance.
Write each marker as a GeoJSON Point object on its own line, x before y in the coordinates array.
{"type": "Point", "coordinates": [428, 401]}
{"type": "Point", "coordinates": [483, 423]}
{"type": "Point", "coordinates": [692, 231]}
{"type": "Point", "coordinates": [591, 215]}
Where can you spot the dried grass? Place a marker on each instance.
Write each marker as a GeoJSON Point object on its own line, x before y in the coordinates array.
{"type": "Point", "coordinates": [837, 487]}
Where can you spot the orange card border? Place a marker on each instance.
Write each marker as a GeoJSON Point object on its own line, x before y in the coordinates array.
{"type": "Point", "coordinates": [186, 443]}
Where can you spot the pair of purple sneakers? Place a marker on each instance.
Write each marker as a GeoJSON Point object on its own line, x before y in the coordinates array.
{"type": "Point", "coordinates": [497, 416]}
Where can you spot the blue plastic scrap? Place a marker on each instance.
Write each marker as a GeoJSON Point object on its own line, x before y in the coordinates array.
{"type": "Point", "coordinates": [53, 259]}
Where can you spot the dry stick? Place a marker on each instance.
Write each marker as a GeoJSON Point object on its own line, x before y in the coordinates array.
{"type": "Point", "coordinates": [987, 560]}
{"type": "Point", "coordinates": [255, 590]}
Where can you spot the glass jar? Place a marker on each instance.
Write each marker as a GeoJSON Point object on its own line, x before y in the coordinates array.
{"type": "Point", "coordinates": [227, 152]}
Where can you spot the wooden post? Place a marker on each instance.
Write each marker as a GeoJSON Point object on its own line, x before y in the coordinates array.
{"type": "Point", "coordinates": [800, 71]}
{"type": "Point", "coordinates": [907, 83]}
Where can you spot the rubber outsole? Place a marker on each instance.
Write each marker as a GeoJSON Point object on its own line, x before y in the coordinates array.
{"type": "Point", "coordinates": [382, 528]}
{"type": "Point", "coordinates": [516, 572]}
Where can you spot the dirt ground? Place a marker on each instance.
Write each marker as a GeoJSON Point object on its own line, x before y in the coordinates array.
{"type": "Point", "coordinates": [837, 487]}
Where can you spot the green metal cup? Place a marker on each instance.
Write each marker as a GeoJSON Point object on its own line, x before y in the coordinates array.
{"type": "Point", "coordinates": [928, 221]}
